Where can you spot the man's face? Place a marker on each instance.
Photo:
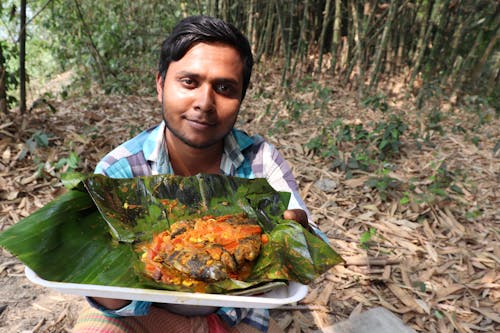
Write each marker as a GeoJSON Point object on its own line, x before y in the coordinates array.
{"type": "Point", "coordinates": [202, 93]}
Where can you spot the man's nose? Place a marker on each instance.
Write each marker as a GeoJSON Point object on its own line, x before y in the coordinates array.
{"type": "Point", "coordinates": [205, 100]}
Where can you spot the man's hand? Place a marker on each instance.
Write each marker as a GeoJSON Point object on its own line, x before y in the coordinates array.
{"type": "Point", "coordinates": [297, 215]}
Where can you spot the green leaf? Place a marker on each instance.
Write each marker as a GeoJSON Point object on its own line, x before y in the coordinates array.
{"type": "Point", "coordinates": [93, 237]}
{"type": "Point", "coordinates": [72, 179]}
{"type": "Point", "coordinates": [456, 189]}
{"type": "Point", "coordinates": [404, 200]}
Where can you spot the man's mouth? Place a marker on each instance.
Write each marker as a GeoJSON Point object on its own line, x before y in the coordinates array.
{"type": "Point", "coordinates": [201, 122]}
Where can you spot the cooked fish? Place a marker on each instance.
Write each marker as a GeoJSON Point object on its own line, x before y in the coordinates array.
{"type": "Point", "coordinates": [204, 249]}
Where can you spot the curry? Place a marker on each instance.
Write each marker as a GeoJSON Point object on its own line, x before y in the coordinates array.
{"type": "Point", "coordinates": [203, 250]}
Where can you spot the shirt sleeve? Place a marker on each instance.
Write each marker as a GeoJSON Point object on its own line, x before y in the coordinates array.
{"type": "Point", "coordinates": [278, 173]}
{"type": "Point", "coordinates": [280, 176]}
{"type": "Point", "coordinates": [134, 308]}
{"type": "Point", "coordinates": [258, 318]}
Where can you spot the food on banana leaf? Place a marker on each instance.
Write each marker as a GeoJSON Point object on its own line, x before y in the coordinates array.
{"type": "Point", "coordinates": [198, 251]}
{"type": "Point", "coordinates": [90, 235]}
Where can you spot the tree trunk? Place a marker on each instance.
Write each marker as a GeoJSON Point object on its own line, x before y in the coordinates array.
{"type": "Point", "coordinates": [285, 42]}
{"type": "Point", "coordinates": [476, 71]}
{"type": "Point", "coordinates": [94, 51]}
{"type": "Point", "coordinates": [265, 32]}
{"type": "Point", "coordinates": [224, 11]}
{"type": "Point", "coordinates": [212, 6]}
{"type": "Point", "coordinates": [353, 58]}
{"type": "Point", "coordinates": [326, 20]}
{"type": "Point", "coordinates": [492, 84]}
{"type": "Point", "coordinates": [22, 58]}
{"type": "Point", "coordinates": [3, 83]}
{"type": "Point", "coordinates": [424, 35]}
{"type": "Point", "coordinates": [439, 21]}
{"type": "Point", "coordinates": [455, 44]}
{"type": "Point", "coordinates": [250, 24]}
{"type": "Point", "coordinates": [302, 45]}
{"type": "Point", "coordinates": [382, 45]}
{"type": "Point", "coordinates": [336, 33]}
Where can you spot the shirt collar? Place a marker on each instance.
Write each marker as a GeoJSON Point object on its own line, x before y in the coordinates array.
{"type": "Point", "coordinates": [155, 150]}
{"type": "Point", "coordinates": [234, 144]}
{"type": "Point", "coordinates": [153, 145]}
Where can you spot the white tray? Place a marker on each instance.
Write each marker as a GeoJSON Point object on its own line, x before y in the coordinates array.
{"type": "Point", "coordinates": [292, 293]}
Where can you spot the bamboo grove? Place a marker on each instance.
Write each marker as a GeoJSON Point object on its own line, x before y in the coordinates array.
{"type": "Point", "coordinates": [444, 47]}
{"type": "Point", "coordinates": [448, 45]}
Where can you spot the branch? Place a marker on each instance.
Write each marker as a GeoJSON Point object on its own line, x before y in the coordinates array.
{"type": "Point", "coordinates": [32, 18]}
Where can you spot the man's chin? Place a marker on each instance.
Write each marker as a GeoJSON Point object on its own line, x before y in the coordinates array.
{"type": "Point", "coordinates": [198, 143]}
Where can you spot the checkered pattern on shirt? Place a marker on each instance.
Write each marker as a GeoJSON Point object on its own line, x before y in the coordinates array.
{"type": "Point", "coordinates": [243, 156]}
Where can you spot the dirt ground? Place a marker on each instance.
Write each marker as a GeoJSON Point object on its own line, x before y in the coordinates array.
{"type": "Point", "coordinates": [434, 264]}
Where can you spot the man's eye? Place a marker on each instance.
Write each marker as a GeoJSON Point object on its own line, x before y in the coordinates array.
{"type": "Point", "coordinates": [223, 88]}
{"type": "Point", "coordinates": [187, 81]}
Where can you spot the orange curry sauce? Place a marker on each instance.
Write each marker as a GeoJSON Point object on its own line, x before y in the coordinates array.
{"type": "Point", "coordinates": [211, 235]}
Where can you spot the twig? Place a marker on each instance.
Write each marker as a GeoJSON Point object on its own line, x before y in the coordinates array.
{"type": "Point", "coordinates": [304, 307]}
{"type": "Point", "coordinates": [39, 325]}
{"type": "Point", "coordinates": [367, 261]}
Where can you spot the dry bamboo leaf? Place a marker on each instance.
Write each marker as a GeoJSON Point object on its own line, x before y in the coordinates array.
{"type": "Point", "coordinates": [455, 324]}
{"type": "Point", "coordinates": [387, 273]}
{"type": "Point", "coordinates": [404, 276]}
{"type": "Point", "coordinates": [427, 274]}
{"type": "Point", "coordinates": [442, 328]}
{"type": "Point", "coordinates": [356, 311]}
{"type": "Point", "coordinates": [301, 320]}
{"type": "Point", "coordinates": [324, 296]}
{"type": "Point", "coordinates": [356, 182]}
{"type": "Point", "coordinates": [432, 253]}
{"type": "Point", "coordinates": [320, 319]}
{"type": "Point", "coordinates": [311, 296]}
{"type": "Point", "coordinates": [444, 292]}
{"type": "Point", "coordinates": [404, 297]}
{"type": "Point", "coordinates": [488, 313]}
{"type": "Point", "coordinates": [428, 231]}
{"type": "Point", "coordinates": [490, 277]}
{"type": "Point", "coordinates": [362, 299]}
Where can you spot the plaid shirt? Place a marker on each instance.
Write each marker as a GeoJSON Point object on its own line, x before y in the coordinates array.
{"type": "Point", "coordinates": [244, 156]}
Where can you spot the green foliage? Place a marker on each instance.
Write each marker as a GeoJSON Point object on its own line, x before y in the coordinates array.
{"type": "Point", "coordinates": [386, 136]}
{"type": "Point", "coordinates": [68, 164]}
{"type": "Point", "coordinates": [352, 146]}
{"type": "Point", "coordinates": [9, 62]}
{"type": "Point", "coordinates": [366, 238]}
{"type": "Point", "coordinates": [114, 43]}
{"type": "Point", "coordinates": [385, 185]}
{"type": "Point", "coordinates": [434, 119]}
{"type": "Point", "coordinates": [296, 108]}
{"type": "Point", "coordinates": [37, 139]}
{"type": "Point", "coordinates": [376, 102]}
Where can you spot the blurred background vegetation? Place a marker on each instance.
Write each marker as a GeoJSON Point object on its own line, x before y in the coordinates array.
{"type": "Point", "coordinates": [430, 48]}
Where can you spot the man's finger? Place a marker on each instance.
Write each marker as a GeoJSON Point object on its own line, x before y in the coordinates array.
{"type": "Point", "coordinates": [297, 215]}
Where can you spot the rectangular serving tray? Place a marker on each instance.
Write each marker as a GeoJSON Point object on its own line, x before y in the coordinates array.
{"type": "Point", "coordinates": [291, 293]}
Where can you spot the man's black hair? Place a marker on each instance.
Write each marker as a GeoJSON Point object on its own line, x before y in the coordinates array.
{"type": "Point", "coordinates": [204, 29]}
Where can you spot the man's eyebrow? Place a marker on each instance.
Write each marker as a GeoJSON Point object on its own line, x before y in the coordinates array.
{"type": "Point", "coordinates": [197, 76]}
{"type": "Point", "coordinates": [227, 81]}
{"type": "Point", "coordinates": [186, 73]}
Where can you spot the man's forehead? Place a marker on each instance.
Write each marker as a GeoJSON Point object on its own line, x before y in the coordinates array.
{"type": "Point", "coordinates": [215, 44]}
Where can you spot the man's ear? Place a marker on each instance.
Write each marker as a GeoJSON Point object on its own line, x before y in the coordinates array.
{"type": "Point", "coordinates": [159, 87]}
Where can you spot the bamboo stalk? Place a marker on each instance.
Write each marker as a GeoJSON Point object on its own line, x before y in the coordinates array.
{"type": "Point", "coordinates": [424, 35]}
{"type": "Point", "coordinates": [300, 53]}
{"type": "Point", "coordinates": [476, 71]}
{"type": "Point", "coordinates": [285, 42]}
{"type": "Point", "coordinates": [326, 20]}
{"type": "Point", "coordinates": [336, 34]}
{"type": "Point", "coordinates": [383, 42]}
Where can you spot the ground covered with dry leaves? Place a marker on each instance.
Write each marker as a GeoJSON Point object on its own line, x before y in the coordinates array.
{"type": "Point", "coordinates": [419, 230]}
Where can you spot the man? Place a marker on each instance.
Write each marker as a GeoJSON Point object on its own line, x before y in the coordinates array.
{"type": "Point", "coordinates": [204, 71]}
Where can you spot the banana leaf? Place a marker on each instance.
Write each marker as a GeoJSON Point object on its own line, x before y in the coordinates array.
{"type": "Point", "coordinates": [91, 233]}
